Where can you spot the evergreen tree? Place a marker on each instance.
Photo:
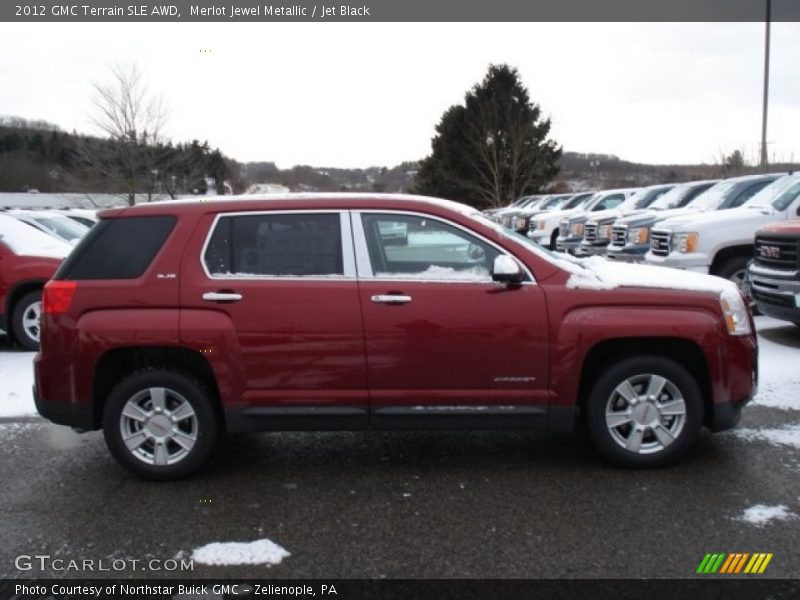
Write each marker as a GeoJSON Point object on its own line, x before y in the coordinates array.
{"type": "Point", "coordinates": [493, 148]}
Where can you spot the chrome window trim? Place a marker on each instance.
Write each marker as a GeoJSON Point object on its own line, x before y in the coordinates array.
{"type": "Point", "coordinates": [348, 258]}
{"type": "Point", "coordinates": [364, 266]}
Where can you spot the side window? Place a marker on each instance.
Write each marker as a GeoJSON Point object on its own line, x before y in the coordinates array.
{"type": "Point", "coordinates": [610, 202]}
{"type": "Point", "coordinates": [276, 245]}
{"type": "Point", "coordinates": [749, 192]}
{"type": "Point", "coordinates": [411, 247]}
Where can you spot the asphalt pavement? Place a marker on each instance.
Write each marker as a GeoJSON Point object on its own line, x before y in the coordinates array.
{"type": "Point", "coordinates": [401, 505]}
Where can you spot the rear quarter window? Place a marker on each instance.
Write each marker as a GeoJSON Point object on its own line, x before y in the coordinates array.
{"type": "Point", "coordinates": [119, 248]}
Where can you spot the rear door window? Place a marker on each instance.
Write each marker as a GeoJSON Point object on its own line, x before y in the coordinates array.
{"type": "Point", "coordinates": [275, 245]}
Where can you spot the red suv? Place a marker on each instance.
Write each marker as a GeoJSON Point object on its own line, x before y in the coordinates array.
{"type": "Point", "coordinates": [172, 322]}
{"type": "Point", "coordinates": [28, 258]}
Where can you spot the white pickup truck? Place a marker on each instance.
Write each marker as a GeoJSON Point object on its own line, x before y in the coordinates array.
{"type": "Point", "coordinates": [721, 242]}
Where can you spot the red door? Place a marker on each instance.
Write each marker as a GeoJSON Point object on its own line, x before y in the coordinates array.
{"type": "Point", "coordinates": [439, 332]}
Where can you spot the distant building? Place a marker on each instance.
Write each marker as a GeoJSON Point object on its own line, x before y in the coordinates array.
{"type": "Point", "coordinates": [268, 188]}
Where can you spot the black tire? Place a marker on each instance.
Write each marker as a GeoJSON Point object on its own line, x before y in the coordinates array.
{"type": "Point", "coordinates": [179, 388]}
{"type": "Point", "coordinates": [25, 334]}
{"type": "Point", "coordinates": [553, 238]}
{"type": "Point", "coordinates": [653, 452]}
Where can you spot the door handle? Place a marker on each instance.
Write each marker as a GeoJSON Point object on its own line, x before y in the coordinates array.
{"type": "Point", "coordinates": [391, 299]}
{"type": "Point", "coordinates": [222, 296]}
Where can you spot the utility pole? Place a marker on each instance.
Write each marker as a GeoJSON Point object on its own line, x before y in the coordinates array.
{"type": "Point", "coordinates": [766, 90]}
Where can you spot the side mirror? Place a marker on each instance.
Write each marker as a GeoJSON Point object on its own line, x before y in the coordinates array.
{"type": "Point", "coordinates": [507, 270]}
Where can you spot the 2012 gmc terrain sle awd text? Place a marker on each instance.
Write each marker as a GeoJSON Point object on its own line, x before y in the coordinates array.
{"type": "Point", "coordinates": [171, 322]}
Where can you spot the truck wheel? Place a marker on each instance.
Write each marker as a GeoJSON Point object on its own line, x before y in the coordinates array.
{"type": "Point", "coordinates": [26, 320]}
{"type": "Point", "coordinates": [735, 269]}
{"type": "Point", "coordinates": [160, 424]}
{"type": "Point", "coordinates": [553, 239]}
{"type": "Point", "coordinates": [644, 411]}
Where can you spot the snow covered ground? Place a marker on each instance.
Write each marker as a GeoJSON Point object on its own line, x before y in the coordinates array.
{"type": "Point", "coordinates": [779, 386]}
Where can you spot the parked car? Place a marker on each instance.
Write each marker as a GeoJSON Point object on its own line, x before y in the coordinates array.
{"type": "Point", "coordinates": [597, 230]}
{"type": "Point", "coordinates": [523, 218]}
{"type": "Point", "coordinates": [570, 229]}
{"type": "Point", "coordinates": [51, 223]}
{"type": "Point", "coordinates": [28, 258]}
{"type": "Point", "coordinates": [630, 236]}
{"type": "Point", "coordinates": [506, 217]}
{"type": "Point", "coordinates": [721, 242]}
{"type": "Point", "coordinates": [774, 274]}
{"type": "Point", "coordinates": [543, 229]}
{"type": "Point", "coordinates": [490, 211]}
{"type": "Point", "coordinates": [483, 329]}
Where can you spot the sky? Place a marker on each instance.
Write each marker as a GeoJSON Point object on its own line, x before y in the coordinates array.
{"type": "Point", "coordinates": [363, 94]}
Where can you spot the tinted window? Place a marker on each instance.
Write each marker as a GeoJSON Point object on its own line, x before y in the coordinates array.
{"type": "Point", "coordinates": [120, 248]}
{"type": "Point", "coordinates": [693, 193]}
{"type": "Point", "coordinates": [415, 247]}
{"type": "Point", "coordinates": [276, 245]}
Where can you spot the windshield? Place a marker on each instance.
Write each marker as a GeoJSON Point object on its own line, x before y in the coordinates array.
{"type": "Point", "coordinates": [63, 227]}
{"type": "Point", "coordinates": [645, 198]}
{"type": "Point", "coordinates": [779, 194]}
{"type": "Point", "coordinates": [576, 200]}
{"type": "Point", "coordinates": [552, 202]}
{"type": "Point", "coordinates": [715, 195]}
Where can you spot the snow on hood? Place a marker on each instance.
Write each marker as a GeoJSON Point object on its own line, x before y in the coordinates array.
{"type": "Point", "coordinates": [25, 240]}
{"type": "Point", "coordinates": [741, 214]}
{"type": "Point", "coordinates": [597, 273]}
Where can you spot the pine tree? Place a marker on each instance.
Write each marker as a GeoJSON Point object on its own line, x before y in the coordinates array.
{"type": "Point", "coordinates": [493, 148]}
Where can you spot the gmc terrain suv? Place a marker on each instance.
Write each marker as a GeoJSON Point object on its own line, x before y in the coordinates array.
{"type": "Point", "coordinates": [28, 258]}
{"type": "Point", "coordinates": [171, 322]}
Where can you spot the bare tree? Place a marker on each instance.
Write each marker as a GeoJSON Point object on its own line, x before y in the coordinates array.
{"type": "Point", "coordinates": [134, 120]}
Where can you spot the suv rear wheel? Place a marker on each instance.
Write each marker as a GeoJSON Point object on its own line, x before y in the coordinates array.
{"type": "Point", "coordinates": [644, 412]}
{"type": "Point", "coordinates": [26, 320]}
{"type": "Point", "coordinates": [160, 424]}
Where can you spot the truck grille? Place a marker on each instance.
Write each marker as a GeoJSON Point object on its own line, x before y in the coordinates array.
{"type": "Point", "coordinates": [590, 232]}
{"type": "Point", "coordinates": [774, 299]}
{"type": "Point", "coordinates": [777, 252]}
{"type": "Point", "coordinates": [660, 242]}
{"type": "Point", "coordinates": [563, 229]}
{"type": "Point", "coordinates": [618, 235]}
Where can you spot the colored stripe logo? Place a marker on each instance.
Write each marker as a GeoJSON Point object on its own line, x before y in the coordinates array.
{"type": "Point", "coordinates": [734, 563]}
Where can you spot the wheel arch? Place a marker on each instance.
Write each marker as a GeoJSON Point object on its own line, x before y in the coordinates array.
{"type": "Point", "coordinates": [725, 254]}
{"type": "Point", "coordinates": [683, 351]}
{"type": "Point", "coordinates": [118, 363]}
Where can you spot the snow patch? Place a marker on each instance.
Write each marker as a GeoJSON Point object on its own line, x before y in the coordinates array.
{"type": "Point", "coordinates": [783, 436]}
{"type": "Point", "coordinates": [26, 240]}
{"type": "Point", "coordinates": [601, 274]}
{"type": "Point", "coordinates": [16, 382]}
{"type": "Point", "coordinates": [761, 514]}
{"type": "Point", "coordinates": [259, 552]}
{"type": "Point", "coordinates": [437, 273]}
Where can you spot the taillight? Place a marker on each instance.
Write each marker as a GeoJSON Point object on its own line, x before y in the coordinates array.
{"type": "Point", "coordinates": [58, 296]}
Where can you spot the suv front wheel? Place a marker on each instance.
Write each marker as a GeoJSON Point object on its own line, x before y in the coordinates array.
{"type": "Point", "coordinates": [160, 424]}
{"type": "Point", "coordinates": [644, 411]}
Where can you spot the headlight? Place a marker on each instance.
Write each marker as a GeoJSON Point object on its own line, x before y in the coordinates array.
{"type": "Point", "coordinates": [577, 229]}
{"type": "Point", "coordinates": [686, 242]}
{"type": "Point", "coordinates": [638, 236]}
{"type": "Point", "coordinates": [604, 232]}
{"type": "Point", "coordinates": [735, 312]}
{"type": "Point", "coordinates": [541, 224]}
{"type": "Point", "coordinates": [522, 222]}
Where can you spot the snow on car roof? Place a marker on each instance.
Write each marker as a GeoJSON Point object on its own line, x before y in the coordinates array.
{"type": "Point", "coordinates": [26, 240]}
